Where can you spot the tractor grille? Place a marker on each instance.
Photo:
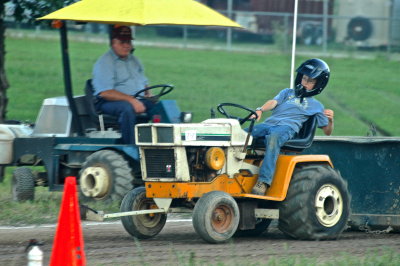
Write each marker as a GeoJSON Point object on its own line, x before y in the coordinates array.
{"type": "Point", "coordinates": [160, 163]}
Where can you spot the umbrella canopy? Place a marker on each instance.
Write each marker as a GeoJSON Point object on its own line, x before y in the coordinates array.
{"type": "Point", "coordinates": [142, 12]}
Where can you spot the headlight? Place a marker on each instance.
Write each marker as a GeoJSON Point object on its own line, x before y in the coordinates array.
{"type": "Point", "coordinates": [186, 117]}
{"type": "Point", "coordinates": [144, 134]}
{"type": "Point", "coordinates": [165, 134]}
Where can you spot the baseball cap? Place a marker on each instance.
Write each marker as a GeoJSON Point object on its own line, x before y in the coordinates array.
{"type": "Point", "coordinates": [122, 33]}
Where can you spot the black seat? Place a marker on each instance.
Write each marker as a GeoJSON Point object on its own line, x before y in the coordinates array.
{"type": "Point", "coordinates": [109, 120]}
{"type": "Point", "coordinates": [300, 141]}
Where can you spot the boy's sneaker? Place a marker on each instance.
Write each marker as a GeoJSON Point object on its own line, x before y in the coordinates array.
{"type": "Point", "coordinates": [260, 188]}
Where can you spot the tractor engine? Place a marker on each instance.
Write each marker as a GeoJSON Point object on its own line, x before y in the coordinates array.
{"type": "Point", "coordinates": [205, 163]}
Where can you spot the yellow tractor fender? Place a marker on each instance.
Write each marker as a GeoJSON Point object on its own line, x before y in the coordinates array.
{"type": "Point", "coordinates": [285, 167]}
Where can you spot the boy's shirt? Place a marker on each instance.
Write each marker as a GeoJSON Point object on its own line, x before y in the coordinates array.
{"type": "Point", "coordinates": [291, 112]}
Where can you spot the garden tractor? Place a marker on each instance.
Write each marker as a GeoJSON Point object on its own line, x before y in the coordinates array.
{"type": "Point", "coordinates": [209, 169]}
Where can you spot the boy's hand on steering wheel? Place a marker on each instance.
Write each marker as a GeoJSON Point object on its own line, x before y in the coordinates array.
{"type": "Point", "coordinates": [259, 114]}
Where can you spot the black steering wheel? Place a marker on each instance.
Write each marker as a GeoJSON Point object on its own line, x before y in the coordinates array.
{"type": "Point", "coordinates": [242, 120]}
{"type": "Point", "coordinates": [165, 89]}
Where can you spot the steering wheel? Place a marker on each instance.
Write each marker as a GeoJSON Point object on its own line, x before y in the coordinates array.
{"type": "Point", "coordinates": [242, 120]}
{"type": "Point", "coordinates": [166, 88]}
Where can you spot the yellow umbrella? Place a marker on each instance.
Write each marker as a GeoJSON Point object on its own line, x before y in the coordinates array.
{"type": "Point", "coordinates": [142, 12]}
{"type": "Point", "coordinates": [130, 12]}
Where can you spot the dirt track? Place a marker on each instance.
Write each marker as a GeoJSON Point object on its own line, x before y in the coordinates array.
{"type": "Point", "coordinates": [108, 244]}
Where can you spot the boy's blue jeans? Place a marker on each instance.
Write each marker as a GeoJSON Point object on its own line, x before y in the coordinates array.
{"type": "Point", "coordinates": [275, 138]}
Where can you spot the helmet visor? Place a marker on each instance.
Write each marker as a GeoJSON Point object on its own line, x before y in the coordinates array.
{"type": "Point", "coordinates": [310, 71]}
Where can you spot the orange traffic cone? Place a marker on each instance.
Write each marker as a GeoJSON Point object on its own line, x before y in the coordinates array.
{"type": "Point", "coordinates": [68, 241]}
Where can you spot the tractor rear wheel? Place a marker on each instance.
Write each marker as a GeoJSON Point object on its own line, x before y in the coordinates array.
{"type": "Point", "coordinates": [216, 217]}
{"type": "Point", "coordinates": [317, 204]}
{"type": "Point", "coordinates": [105, 175]}
{"type": "Point", "coordinates": [23, 184]}
{"type": "Point", "coordinates": [141, 226]}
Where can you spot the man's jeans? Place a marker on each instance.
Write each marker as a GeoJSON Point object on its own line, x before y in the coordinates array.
{"type": "Point", "coordinates": [126, 116]}
{"type": "Point", "coordinates": [275, 138]}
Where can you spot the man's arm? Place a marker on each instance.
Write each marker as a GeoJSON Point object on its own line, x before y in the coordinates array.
{"type": "Point", "coordinates": [267, 106]}
{"type": "Point", "coordinates": [113, 95]}
{"type": "Point", "coordinates": [329, 128]}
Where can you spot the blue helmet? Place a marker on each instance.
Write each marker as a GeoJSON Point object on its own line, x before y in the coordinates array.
{"type": "Point", "coordinates": [316, 69]}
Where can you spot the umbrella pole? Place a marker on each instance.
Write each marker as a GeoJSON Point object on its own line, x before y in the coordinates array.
{"type": "Point", "coordinates": [67, 79]}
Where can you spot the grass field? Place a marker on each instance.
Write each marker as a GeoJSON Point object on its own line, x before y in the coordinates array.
{"type": "Point", "coordinates": [358, 88]}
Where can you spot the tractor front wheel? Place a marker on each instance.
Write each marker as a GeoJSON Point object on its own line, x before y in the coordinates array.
{"type": "Point", "coordinates": [145, 225]}
{"type": "Point", "coordinates": [216, 217]}
{"type": "Point", "coordinates": [317, 204]}
{"type": "Point", "coordinates": [105, 175]}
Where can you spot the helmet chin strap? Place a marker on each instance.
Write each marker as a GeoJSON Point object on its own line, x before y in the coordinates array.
{"type": "Point", "coordinates": [299, 92]}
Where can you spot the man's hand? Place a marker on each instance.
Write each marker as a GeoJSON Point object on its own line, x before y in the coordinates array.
{"type": "Point", "coordinates": [329, 114]}
{"type": "Point", "coordinates": [138, 106]}
{"type": "Point", "coordinates": [148, 93]}
{"type": "Point", "coordinates": [113, 95]}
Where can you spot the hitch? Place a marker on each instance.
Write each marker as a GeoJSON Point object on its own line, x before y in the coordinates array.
{"type": "Point", "coordinates": [89, 214]}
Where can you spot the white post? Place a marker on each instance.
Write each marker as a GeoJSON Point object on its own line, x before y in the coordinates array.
{"type": "Point", "coordinates": [325, 27]}
{"type": "Point", "coordinates": [185, 36]}
{"type": "Point", "coordinates": [294, 43]}
{"type": "Point", "coordinates": [229, 30]}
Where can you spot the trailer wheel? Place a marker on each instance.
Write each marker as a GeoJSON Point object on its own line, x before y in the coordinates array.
{"type": "Point", "coordinates": [317, 204]}
{"type": "Point", "coordinates": [141, 226]}
{"type": "Point", "coordinates": [2, 173]}
{"type": "Point", "coordinates": [216, 217]}
{"type": "Point", "coordinates": [261, 226]}
{"type": "Point", "coordinates": [105, 175]}
{"type": "Point", "coordinates": [23, 184]}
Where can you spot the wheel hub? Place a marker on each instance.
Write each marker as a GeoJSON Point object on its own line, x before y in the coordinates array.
{"type": "Point", "coordinates": [222, 218]}
{"type": "Point", "coordinates": [94, 182]}
{"type": "Point", "coordinates": [149, 220]}
{"type": "Point", "coordinates": [329, 205]}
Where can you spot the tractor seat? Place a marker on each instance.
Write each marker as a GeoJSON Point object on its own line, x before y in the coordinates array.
{"type": "Point", "coordinates": [108, 120]}
{"type": "Point", "coordinates": [299, 142]}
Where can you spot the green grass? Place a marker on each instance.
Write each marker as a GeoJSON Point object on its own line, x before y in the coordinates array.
{"type": "Point", "coordinates": [43, 210]}
{"type": "Point", "coordinates": [204, 79]}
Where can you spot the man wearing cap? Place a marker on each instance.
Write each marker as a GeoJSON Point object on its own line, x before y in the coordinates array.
{"type": "Point", "coordinates": [117, 76]}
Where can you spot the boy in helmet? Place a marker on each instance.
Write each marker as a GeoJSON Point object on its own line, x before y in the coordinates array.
{"type": "Point", "coordinates": [290, 109]}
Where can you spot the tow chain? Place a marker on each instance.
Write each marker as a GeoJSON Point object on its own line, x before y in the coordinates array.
{"type": "Point", "coordinates": [367, 229]}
